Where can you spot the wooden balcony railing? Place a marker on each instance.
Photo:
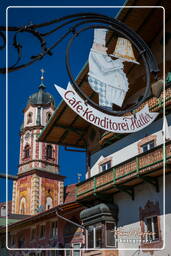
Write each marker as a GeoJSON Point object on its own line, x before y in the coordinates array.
{"type": "Point", "coordinates": [142, 164]}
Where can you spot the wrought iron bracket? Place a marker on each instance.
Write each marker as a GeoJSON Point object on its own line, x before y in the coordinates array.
{"type": "Point", "coordinates": [128, 190]}
{"type": "Point", "coordinates": [75, 24]}
{"type": "Point", "coordinates": [103, 197]}
{"type": "Point", "coordinates": [151, 180]}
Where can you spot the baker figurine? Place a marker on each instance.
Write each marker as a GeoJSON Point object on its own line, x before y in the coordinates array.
{"type": "Point", "coordinates": [106, 75]}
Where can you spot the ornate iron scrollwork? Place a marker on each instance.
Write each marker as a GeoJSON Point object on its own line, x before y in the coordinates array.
{"type": "Point", "coordinates": [78, 25]}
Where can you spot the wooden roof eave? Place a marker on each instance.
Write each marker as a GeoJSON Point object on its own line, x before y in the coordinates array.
{"type": "Point", "coordinates": [63, 209]}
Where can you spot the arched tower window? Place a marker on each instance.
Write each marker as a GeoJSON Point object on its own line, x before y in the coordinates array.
{"type": "Point", "coordinates": [48, 116]}
{"type": "Point", "coordinates": [49, 203]}
{"type": "Point", "coordinates": [23, 206]}
{"type": "Point", "coordinates": [29, 117]}
{"type": "Point", "coordinates": [27, 151]}
{"type": "Point", "coordinates": [49, 151]}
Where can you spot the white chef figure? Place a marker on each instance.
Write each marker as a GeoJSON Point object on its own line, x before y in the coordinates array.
{"type": "Point", "coordinates": [106, 76]}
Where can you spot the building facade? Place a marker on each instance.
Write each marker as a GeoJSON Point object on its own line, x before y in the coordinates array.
{"type": "Point", "coordinates": [120, 207]}
{"type": "Point", "coordinates": [39, 185]}
{"type": "Point", "coordinates": [124, 189]}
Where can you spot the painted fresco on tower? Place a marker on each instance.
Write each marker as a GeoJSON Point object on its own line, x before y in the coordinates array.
{"type": "Point", "coordinates": [38, 184]}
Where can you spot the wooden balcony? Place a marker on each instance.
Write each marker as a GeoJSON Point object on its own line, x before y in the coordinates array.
{"type": "Point", "coordinates": [145, 167]}
{"type": "Point", "coordinates": [155, 105]}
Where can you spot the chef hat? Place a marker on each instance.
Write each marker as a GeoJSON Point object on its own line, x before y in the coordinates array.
{"type": "Point", "coordinates": [100, 36]}
{"type": "Point", "coordinates": [123, 50]}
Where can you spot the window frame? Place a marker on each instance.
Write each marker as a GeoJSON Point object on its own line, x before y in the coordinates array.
{"type": "Point", "coordinates": [115, 236]}
{"type": "Point", "coordinates": [67, 252]}
{"type": "Point", "coordinates": [27, 151]}
{"type": "Point", "coordinates": [94, 228]}
{"type": "Point", "coordinates": [33, 238]}
{"type": "Point", "coordinates": [40, 236]}
{"type": "Point", "coordinates": [49, 151]}
{"type": "Point", "coordinates": [3, 210]}
{"type": "Point", "coordinates": [147, 240]}
{"type": "Point", "coordinates": [29, 117]}
{"type": "Point", "coordinates": [72, 252]}
{"type": "Point", "coordinates": [48, 116]}
{"type": "Point", "coordinates": [148, 146]}
{"type": "Point", "coordinates": [21, 239]}
{"type": "Point", "coordinates": [52, 236]}
{"type": "Point", "coordinates": [12, 240]}
{"type": "Point", "coordinates": [104, 164]}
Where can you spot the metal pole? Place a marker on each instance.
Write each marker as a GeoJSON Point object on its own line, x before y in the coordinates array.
{"type": "Point", "coordinates": [70, 221]}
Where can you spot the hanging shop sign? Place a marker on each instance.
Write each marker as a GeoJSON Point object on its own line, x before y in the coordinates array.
{"type": "Point", "coordinates": [109, 81]}
{"type": "Point", "coordinates": [117, 124]}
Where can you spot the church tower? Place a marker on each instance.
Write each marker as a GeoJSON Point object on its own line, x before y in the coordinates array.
{"type": "Point", "coordinates": [39, 185]}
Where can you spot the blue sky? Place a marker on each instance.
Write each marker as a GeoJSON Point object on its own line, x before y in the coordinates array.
{"type": "Point", "coordinates": [22, 83]}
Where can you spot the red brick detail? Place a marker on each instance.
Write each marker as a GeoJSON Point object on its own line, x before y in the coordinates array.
{"type": "Point", "coordinates": [70, 193]}
{"type": "Point", "coordinates": [146, 140]}
{"type": "Point", "coordinates": [150, 209]}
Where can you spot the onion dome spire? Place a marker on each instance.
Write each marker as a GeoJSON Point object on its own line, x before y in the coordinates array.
{"type": "Point", "coordinates": [42, 86]}
{"type": "Point", "coordinates": [41, 97]}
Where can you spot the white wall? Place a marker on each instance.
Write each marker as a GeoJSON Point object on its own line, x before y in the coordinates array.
{"type": "Point", "coordinates": [129, 215]}
{"type": "Point", "coordinates": [127, 147]}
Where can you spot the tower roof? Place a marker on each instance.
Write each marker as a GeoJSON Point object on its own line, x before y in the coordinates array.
{"type": "Point", "coordinates": [41, 97]}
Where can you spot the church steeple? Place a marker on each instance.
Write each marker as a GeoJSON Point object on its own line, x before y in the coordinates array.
{"type": "Point", "coordinates": [37, 113]}
{"type": "Point", "coordinates": [38, 163]}
{"type": "Point", "coordinates": [42, 86]}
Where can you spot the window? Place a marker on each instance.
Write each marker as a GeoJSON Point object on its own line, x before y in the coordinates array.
{"type": "Point", "coordinates": [43, 253]}
{"type": "Point", "coordinates": [151, 229]}
{"type": "Point", "coordinates": [49, 152]}
{"type": "Point", "coordinates": [49, 203]}
{"type": "Point", "coordinates": [23, 206]}
{"type": "Point", "coordinates": [33, 234]}
{"type": "Point", "coordinates": [54, 229]}
{"type": "Point", "coordinates": [147, 146]}
{"type": "Point", "coordinates": [42, 231]}
{"type": "Point", "coordinates": [12, 240]}
{"type": "Point", "coordinates": [105, 166]}
{"type": "Point", "coordinates": [3, 210]}
{"type": "Point", "coordinates": [29, 117]}
{"type": "Point", "coordinates": [95, 236]}
{"type": "Point", "coordinates": [76, 252]}
{"type": "Point", "coordinates": [67, 252]}
{"type": "Point", "coordinates": [21, 242]}
{"type": "Point", "coordinates": [27, 151]}
{"type": "Point", "coordinates": [48, 116]}
{"type": "Point", "coordinates": [54, 253]}
{"type": "Point", "coordinates": [110, 236]}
